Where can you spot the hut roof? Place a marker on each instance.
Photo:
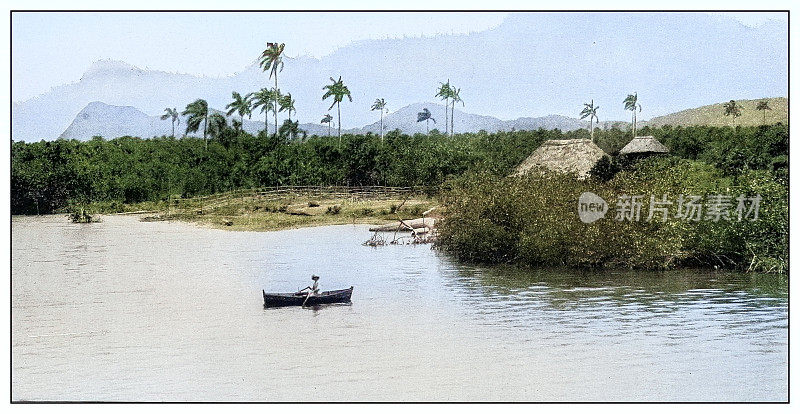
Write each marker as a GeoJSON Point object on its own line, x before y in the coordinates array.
{"type": "Point", "coordinates": [641, 145]}
{"type": "Point", "coordinates": [576, 156]}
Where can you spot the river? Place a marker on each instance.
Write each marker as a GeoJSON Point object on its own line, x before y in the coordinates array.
{"type": "Point", "coordinates": [124, 310]}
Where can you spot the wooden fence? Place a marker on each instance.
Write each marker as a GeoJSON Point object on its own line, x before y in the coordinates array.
{"type": "Point", "coordinates": [280, 192]}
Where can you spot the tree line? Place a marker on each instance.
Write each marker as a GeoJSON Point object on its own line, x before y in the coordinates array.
{"type": "Point", "coordinates": [48, 176]}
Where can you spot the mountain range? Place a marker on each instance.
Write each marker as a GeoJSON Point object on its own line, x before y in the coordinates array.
{"type": "Point", "coordinates": [531, 65]}
{"type": "Point", "coordinates": [111, 121]}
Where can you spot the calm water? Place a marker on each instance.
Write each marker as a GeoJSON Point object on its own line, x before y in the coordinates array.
{"type": "Point", "coordinates": [124, 310]}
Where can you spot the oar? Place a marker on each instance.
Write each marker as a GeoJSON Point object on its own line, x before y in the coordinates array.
{"type": "Point", "coordinates": [308, 295]}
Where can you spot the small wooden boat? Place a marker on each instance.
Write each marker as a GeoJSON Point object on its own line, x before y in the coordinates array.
{"type": "Point", "coordinates": [299, 298]}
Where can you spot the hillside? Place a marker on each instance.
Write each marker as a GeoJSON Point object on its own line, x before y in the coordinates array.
{"type": "Point", "coordinates": [714, 115]}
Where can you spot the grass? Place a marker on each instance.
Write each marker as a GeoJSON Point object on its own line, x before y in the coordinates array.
{"type": "Point", "coordinates": [259, 213]}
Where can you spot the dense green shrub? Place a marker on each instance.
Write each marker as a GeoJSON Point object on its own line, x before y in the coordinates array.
{"type": "Point", "coordinates": [533, 220]}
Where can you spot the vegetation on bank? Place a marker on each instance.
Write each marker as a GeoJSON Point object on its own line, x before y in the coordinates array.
{"type": "Point", "coordinates": [47, 176]}
{"type": "Point", "coordinates": [534, 221]}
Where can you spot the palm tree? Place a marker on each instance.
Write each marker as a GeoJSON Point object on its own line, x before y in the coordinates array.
{"type": "Point", "coordinates": [197, 112]}
{"type": "Point", "coordinates": [171, 113]}
{"type": "Point", "coordinates": [454, 97]}
{"type": "Point", "coordinates": [241, 105]}
{"type": "Point", "coordinates": [732, 109]}
{"type": "Point", "coordinates": [272, 61]}
{"type": "Point", "coordinates": [379, 105]}
{"type": "Point", "coordinates": [425, 115]}
{"type": "Point", "coordinates": [760, 106]}
{"type": "Point", "coordinates": [216, 124]}
{"type": "Point", "coordinates": [327, 119]}
{"type": "Point", "coordinates": [263, 99]}
{"type": "Point", "coordinates": [590, 111]}
{"type": "Point", "coordinates": [632, 104]}
{"type": "Point", "coordinates": [445, 92]}
{"type": "Point", "coordinates": [290, 129]}
{"type": "Point", "coordinates": [338, 90]}
{"type": "Point", "coordinates": [287, 104]}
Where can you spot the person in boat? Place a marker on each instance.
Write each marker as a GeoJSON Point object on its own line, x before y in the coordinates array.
{"type": "Point", "coordinates": [312, 290]}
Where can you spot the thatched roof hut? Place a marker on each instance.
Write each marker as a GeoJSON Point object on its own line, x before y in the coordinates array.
{"type": "Point", "coordinates": [643, 146]}
{"type": "Point", "coordinates": [576, 156]}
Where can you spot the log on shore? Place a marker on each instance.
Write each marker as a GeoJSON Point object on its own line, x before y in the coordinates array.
{"type": "Point", "coordinates": [407, 225]}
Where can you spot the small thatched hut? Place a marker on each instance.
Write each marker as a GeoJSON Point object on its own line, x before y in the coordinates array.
{"type": "Point", "coordinates": [576, 156]}
{"type": "Point", "coordinates": [643, 146]}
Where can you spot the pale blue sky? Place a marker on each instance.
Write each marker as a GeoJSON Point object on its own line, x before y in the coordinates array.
{"type": "Point", "coordinates": [51, 49]}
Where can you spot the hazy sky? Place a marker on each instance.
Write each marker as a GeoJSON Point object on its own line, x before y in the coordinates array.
{"type": "Point", "coordinates": [51, 49]}
{"type": "Point", "coordinates": [212, 44]}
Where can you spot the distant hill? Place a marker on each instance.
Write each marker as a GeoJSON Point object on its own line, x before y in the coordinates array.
{"type": "Point", "coordinates": [112, 121]}
{"type": "Point", "coordinates": [714, 115]}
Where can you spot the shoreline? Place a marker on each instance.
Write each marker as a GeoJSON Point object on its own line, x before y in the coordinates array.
{"type": "Point", "coordinates": [258, 212]}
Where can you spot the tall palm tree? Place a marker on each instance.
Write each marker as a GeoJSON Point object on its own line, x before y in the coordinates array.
{"type": "Point", "coordinates": [632, 104]}
{"type": "Point", "coordinates": [425, 115]}
{"type": "Point", "coordinates": [216, 124]}
{"type": "Point", "coordinates": [287, 104]}
{"type": "Point", "coordinates": [241, 105]}
{"type": "Point", "coordinates": [327, 119]}
{"type": "Point", "coordinates": [338, 91]}
{"type": "Point", "coordinates": [171, 113]}
{"type": "Point", "coordinates": [263, 99]}
{"type": "Point", "coordinates": [590, 111]}
{"type": "Point", "coordinates": [454, 97]}
{"type": "Point", "coordinates": [272, 61]}
{"type": "Point", "coordinates": [197, 112]}
{"type": "Point", "coordinates": [445, 92]}
{"type": "Point", "coordinates": [764, 107]}
{"type": "Point", "coordinates": [732, 109]}
{"type": "Point", "coordinates": [379, 105]}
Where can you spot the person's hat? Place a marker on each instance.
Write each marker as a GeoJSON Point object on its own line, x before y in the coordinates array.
{"type": "Point", "coordinates": [314, 277]}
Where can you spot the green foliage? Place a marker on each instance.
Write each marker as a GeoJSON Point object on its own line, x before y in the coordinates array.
{"type": "Point", "coordinates": [604, 169]}
{"type": "Point", "coordinates": [198, 114]}
{"type": "Point", "coordinates": [533, 220]}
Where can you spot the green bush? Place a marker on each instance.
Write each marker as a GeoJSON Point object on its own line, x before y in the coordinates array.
{"type": "Point", "coordinates": [534, 220]}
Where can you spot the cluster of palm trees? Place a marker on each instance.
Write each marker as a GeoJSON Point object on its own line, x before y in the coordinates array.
{"type": "Point", "coordinates": [450, 95]}
{"type": "Point", "coordinates": [271, 100]}
{"type": "Point", "coordinates": [267, 100]}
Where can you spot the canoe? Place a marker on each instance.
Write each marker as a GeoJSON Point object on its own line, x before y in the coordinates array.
{"type": "Point", "coordinates": [297, 298]}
